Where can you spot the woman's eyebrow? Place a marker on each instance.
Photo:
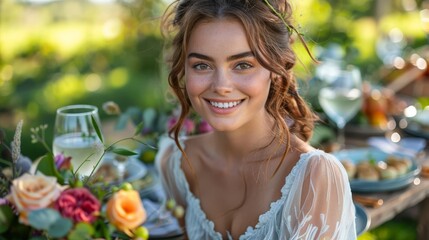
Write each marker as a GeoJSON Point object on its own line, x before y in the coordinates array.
{"type": "Point", "coordinates": [230, 58]}
{"type": "Point", "coordinates": [201, 56]}
{"type": "Point", "coordinates": [240, 55]}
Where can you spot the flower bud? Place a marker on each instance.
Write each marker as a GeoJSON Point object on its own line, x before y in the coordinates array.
{"type": "Point", "coordinates": [141, 233]}
{"type": "Point", "coordinates": [126, 186]}
{"type": "Point", "coordinates": [170, 204]}
{"type": "Point", "coordinates": [111, 108]}
{"type": "Point", "coordinates": [178, 212]}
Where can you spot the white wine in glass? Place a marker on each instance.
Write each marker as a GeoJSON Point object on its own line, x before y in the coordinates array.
{"type": "Point", "coordinates": [341, 98]}
{"type": "Point", "coordinates": [75, 136]}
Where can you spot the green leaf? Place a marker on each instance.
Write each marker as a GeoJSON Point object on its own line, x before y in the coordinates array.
{"type": "Point", "coordinates": [124, 152]}
{"type": "Point", "coordinates": [81, 231]}
{"type": "Point", "coordinates": [6, 217]}
{"type": "Point", "coordinates": [139, 129]}
{"type": "Point", "coordinates": [47, 167]}
{"type": "Point", "coordinates": [85, 227]}
{"type": "Point", "coordinates": [60, 228]}
{"type": "Point", "coordinates": [44, 218]}
{"type": "Point", "coordinates": [8, 163]}
{"type": "Point", "coordinates": [106, 230]}
{"type": "Point", "coordinates": [97, 129]}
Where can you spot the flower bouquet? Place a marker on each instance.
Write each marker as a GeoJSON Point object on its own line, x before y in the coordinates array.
{"type": "Point", "coordinates": [54, 202]}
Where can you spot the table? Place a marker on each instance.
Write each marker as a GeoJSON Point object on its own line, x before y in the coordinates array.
{"type": "Point", "coordinates": [395, 202]}
{"type": "Point", "coordinates": [400, 200]}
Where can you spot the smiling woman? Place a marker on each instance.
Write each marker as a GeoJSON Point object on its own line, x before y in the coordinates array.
{"type": "Point", "coordinates": [255, 176]}
{"type": "Point", "coordinates": [225, 83]}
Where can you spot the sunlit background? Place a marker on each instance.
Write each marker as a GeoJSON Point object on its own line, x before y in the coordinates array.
{"type": "Point", "coordinates": [60, 52]}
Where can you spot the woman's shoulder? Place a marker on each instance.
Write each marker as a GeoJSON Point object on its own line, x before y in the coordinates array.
{"type": "Point", "coordinates": [168, 149]}
{"type": "Point", "coordinates": [321, 162]}
{"type": "Point", "coordinates": [167, 153]}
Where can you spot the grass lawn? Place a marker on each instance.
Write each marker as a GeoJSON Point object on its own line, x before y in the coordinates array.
{"type": "Point", "coordinates": [397, 229]}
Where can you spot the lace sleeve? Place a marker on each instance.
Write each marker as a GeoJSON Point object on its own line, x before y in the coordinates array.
{"type": "Point", "coordinates": [167, 163]}
{"type": "Point", "coordinates": [320, 205]}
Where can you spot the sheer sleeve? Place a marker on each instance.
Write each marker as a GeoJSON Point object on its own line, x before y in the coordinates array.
{"type": "Point", "coordinates": [320, 204]}
{"type": "Point", "coordinates": [167, 162]}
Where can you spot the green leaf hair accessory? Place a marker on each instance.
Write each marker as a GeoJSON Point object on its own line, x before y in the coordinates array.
{"type": "Point", "coordinates": [289, 27]}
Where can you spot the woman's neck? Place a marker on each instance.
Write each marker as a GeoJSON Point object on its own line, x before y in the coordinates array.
{"type": "Point", "coordinates": [242, 143]}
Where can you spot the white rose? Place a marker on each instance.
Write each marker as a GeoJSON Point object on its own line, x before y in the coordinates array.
{"type": "Point", "coordinates": [31, 192]}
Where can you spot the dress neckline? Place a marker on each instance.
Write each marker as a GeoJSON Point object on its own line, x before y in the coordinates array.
{"type": "Point", "coordinates": [263, 217]}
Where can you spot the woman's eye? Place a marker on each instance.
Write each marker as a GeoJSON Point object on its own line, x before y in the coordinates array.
{"type": "Point", "coordinates": [242, 66]}
{"type": "Point", "coordinates": [201, 66]}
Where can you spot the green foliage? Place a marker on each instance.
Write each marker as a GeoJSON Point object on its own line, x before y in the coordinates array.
{"type": "Point", "coordinates": [81, 231]}
{"type": "Point", "coordinates": [97, 129]}
{"type": "Point", "coordinates": [51, 221]}
{"type": "Point", "coordinates": [6, 217]}
{"type": "Point", "coordinates": [47, 167]}
{"type": "Point", "coordinates": [66, 58]}
{"type": "Point", "coordinates": [398, 229]}
{"type": "Point", "coordinates": [123, 152]}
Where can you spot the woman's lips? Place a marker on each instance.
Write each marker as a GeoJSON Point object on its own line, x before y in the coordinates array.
{"type": "Point", "coordinates": [223, 104]}
{"type": "Point", "coordinates": [224, 107]}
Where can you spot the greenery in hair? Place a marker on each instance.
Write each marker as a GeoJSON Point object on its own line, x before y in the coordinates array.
{"type": "Point", "coordinates": [289, 27]}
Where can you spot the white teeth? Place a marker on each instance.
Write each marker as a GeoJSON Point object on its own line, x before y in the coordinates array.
{"type": "Point", "coordinates": [224, 104]}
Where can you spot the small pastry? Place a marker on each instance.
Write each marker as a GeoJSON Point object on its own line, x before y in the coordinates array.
{"type": "Point", "coordinates": [350, 168]}
{"type": "Point", "coordinates": [388, 173]}
{"type": "Point", "coordinates": [368, 173]}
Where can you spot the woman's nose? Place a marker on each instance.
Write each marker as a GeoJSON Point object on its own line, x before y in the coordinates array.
{"type": "Point", "coordinates": [222, 82]}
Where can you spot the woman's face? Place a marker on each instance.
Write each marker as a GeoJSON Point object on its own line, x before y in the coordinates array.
{"type": "Point", "coordinates": [225, 83]}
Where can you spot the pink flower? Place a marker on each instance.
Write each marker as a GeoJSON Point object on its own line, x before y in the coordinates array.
{"type": "Point", "coordinates": [171, 122]}
{"type": "Point", "coordinates": [188, 126]}
{"type": "Point", "coordinates": [62, 162]}
{"type": "Point", "coordinates": [204, 127]}
{"type": "Point", "coordinates": [78, 204]}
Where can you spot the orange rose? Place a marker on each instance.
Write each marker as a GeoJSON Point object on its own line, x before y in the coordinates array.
{"type": "Point", "coordinates": [125, 210]}
{"type": "Point", "coordinates": [31, 192]}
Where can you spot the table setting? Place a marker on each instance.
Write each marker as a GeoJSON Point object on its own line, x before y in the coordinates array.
{"type": "Point", "coordinates": [91, 188]}
{"type": "Point", "coordinates": [380, 136]}
{"type": "Point", "coordinates": [80, 156]}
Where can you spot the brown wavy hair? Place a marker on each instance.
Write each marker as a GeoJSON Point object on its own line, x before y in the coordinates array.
{"type": "Point", "coordinates": [268, 25]}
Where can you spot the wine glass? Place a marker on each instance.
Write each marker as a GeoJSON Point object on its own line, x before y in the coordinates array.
{"type": "Point", "coordinates": [341, 97]}
{"type": "Point", "coordinates": [75, 136]}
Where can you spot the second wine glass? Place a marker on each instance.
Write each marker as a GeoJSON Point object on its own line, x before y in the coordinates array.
{"type": "Point", "coordinates": [341, 98]}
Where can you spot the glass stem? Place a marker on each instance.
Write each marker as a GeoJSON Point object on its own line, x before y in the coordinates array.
{"type": "Point", "coordinates": [341, 136]}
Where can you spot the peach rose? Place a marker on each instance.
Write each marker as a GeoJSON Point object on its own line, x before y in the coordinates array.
{"type": "Point", "coordinates": [31, 192]}
{"type": "Point", "coordinates": [125, 210]}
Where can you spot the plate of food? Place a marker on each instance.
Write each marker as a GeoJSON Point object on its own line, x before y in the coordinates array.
{"type": "Point", "coordinates": [362, 220]}
{"type": "Point", "coordinates": [372, 170]}
{"type": "Point", "coordinates": [108, 171]}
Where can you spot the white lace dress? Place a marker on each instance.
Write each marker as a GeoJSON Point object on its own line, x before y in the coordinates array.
{"type": "Point", "coordinates": [315, 203]}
